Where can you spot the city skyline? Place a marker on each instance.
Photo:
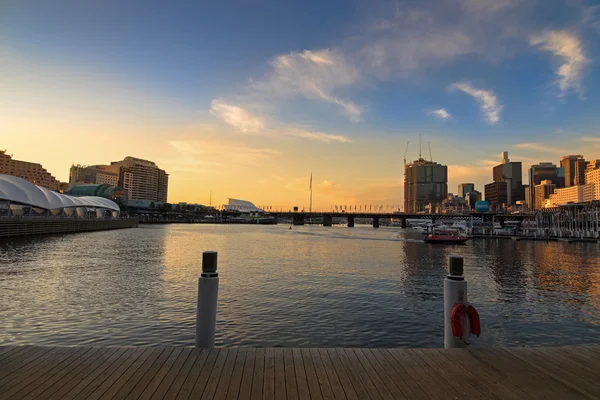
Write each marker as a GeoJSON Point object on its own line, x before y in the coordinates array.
{"type": "Point", "coordinates": [247, 101]}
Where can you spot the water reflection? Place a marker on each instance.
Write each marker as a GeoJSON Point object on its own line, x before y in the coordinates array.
{"type": "Point", "coordinates": [311, 286]}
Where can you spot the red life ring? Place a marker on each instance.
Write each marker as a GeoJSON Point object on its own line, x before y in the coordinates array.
{"type": "Point", "coordinates": [457, 311]}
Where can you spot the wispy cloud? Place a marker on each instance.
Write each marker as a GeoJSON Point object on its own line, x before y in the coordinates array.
{"type": "Point", "coordinates": [486, 98]}
{"type": "Point", "coordinates": [236, 116]}
{"type": "Point", "coordinates": [567, 47]}
{"type": "Point", "coordinates": [247, 122]}
{"type": "Point", "coordinates": [441, 113]}
{"type": "Point", "coordinates": [541, 147]}
{"type": "Point", "coordinates": [217, 153]}
{"type": "Point", "coordinates": [314, 75]}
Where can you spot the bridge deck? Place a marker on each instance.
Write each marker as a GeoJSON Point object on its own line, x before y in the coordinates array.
{"type": "Point", "coordinates": [246, 373]}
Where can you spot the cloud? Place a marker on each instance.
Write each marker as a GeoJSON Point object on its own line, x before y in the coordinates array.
{"type": "Point", "coordinates": [486, 98]}
{"type": "Point", "coordinates": [441, 113]}
{"type": "Point", "coordinates": [567, 47]}
{"type": "Point", "coordinates": [313, 75]}
{"type": "Point", "coordinates": [318, 136]}
{"type": "Point", "coordinates": [217, 153]}
{"type": "Point", "coordinates": [541, 148]}
{"type": "Point", "coordinates": [237, 117]}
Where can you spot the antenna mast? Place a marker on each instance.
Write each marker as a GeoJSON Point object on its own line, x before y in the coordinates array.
{"type": "Point", "coordinates": [420, 146]}
{"type": "Point", "coordinates": [406, 152]}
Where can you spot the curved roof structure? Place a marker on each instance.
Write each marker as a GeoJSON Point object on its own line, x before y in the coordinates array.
{"type": "Point", "coordinates": [242, 205]}
{"type": "Point", "coordinates": [21, 191]}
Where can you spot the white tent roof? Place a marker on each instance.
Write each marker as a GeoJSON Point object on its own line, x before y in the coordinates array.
{"type": "Point", "coordinates": [21, 191]}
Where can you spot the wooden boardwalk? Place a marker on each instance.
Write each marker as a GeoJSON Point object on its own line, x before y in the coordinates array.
{"type": "Point", "coordinates": [31, 372]}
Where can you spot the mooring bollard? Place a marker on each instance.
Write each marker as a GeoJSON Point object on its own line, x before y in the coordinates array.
{"type": "Point", "coordinates": [206, 311]}
{"type": "Point", "coordinates": [460, 318]}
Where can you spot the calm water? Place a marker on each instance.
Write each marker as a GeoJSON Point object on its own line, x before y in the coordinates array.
{"type": "Point", "coordinates": [310, 286]}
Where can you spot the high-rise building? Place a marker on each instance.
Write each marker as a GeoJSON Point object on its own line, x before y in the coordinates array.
{"type": "Point", "coordinates": [142, 179]}
{"type": "Point", "coordinates": [544, 171]}
{"type": "Point", "coordinates": [465, 188]}
{"type": "Point", "coordinates": [95, 174]}
{"type": "Point", "coordinates": [472, 198]}
{"type": "Point", "coordinates": [572, 166]}
{"type": "Point", "coordinates": [592, 165]}
{"type": "Point", "coordinates": [569, 195]}
{"type": "Point", "coordinates": [592, 179]}
{"type": "Point", "coordinates": [511, 173]}
{"type": "Point", "coordinates": [32, 172]}
{"type": "Point", "coordinates": [496, 193]}
{"type": "Point", "coordinates": [542, 193]}
{"type": "Point", "coordinates": [425, 183]}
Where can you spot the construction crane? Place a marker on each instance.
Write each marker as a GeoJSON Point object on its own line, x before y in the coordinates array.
{"type": "Point", "coordinates": [430, 156]}
{"type": "Point", "coordinates": [406, 152]}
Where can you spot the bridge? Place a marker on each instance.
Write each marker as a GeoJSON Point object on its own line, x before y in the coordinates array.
{"type": "Point", "coordinates": [300, 218]}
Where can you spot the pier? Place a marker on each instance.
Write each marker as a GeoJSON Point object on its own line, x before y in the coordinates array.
{"type": "Point", "coordinates": [14, 227]}
{"type": "Point", "coordinates": [28, 372]}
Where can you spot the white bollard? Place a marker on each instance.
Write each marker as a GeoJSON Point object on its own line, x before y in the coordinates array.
{"type": "Point", "coordinates": [206, 311]}
{"type": "Point", "coordinates": [455, 291]}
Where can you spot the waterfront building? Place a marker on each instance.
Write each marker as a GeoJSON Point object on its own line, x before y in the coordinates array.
{"type": "Point", "coordinates": [32, 172]}
{"type": "Point", "coordinates": [510, 172]}
{"type": "Point", "coordinates": [571, 195]}
{"type": "Point", "coordinates": [465, 188]}
{"type": "Point", "coordinates": [542, 193]}
{"type": "Point", "coordinates": [574, 167]}
{"type": "Point", "coordinates": [242, 206]}
{"type": "Point", "coordinates": [472, 198]}
{"type": "Point", "coordinates": [592, 165]}
{"type": "Point", "coordinates": [496, 194]}
{"type": "Point", "coordinates": [543, 171]}
{"type": "Point", "coordinates": [452, 205]}
{"type": "Point", "coordinates": [94, 174]}
{"type": "Point", "coordinates": [425, 184]}
{"type": "Point", "coordinates": [592, 179]}
{"type": "Point", "coordinates": [19, 197]}
{"type": "Point", "coordinates": [142, 179]}
{"type": "Point", "coordinates": [114, 193]}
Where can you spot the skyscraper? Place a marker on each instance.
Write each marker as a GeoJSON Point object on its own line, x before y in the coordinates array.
{"type": "Point", "coordinates": [465, 188]}
{"type": "Point", "coordinates": [544, 171]}
{"type": "Point", "coordinates": [145, 182]}
{"type": "Point", "coordinates": [573, 169]}
{"type": "Point", "coordinates": [425, 182]}
{"type": "Point", "coordinates": [511, 173]}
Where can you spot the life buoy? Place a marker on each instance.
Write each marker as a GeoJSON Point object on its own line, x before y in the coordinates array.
{"type": "Point", "coordinates": [457, 311]}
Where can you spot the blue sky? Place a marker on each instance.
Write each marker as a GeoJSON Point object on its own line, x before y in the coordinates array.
{"type": "Point", "coordinates": [336, 87]}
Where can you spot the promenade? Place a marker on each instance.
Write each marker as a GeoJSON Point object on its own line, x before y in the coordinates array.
{"type": "Point", "coordinates": [30, 372]}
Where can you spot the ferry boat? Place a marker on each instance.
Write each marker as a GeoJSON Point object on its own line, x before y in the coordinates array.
{"type": "Point", "coordinates": [446, 236]}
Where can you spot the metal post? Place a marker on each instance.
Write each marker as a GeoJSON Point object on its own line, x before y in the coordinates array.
{"type": "Point", "coordinates": [206, 311]}
{"type": "Point", "coordinates": [455, 292]}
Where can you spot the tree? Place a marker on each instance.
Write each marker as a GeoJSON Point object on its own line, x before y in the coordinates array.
{"type": "Point", "coordinates": [177, 208]}
{"type": "Point", "coordinates": [152, 205]}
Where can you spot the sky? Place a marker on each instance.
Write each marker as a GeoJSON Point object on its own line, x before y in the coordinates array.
{"type": "Point", "coordinates": [247, 98]}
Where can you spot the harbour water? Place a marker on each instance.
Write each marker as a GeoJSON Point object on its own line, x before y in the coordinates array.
{"type": "Point", "coordinates": [309, 286]}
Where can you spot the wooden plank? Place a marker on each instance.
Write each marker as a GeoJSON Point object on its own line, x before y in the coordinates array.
{"type": "Point", "coordinates": [131, 380]}
{"type": "Point", "coordinates": [25, 358]}
{"type": "Point", "coordinates": [161, 374]}
{"type": "Point", "coordinates": [44, 381]}
{"type": "Point", "coordinates": [412, 374]}
{"type": "Point", "coordinates": [27, 364]}
{"type": "Point", "coordinates": [378, 375]}
{"type": "Point", "coordinates": [327, 390]}
{"type": "Point", "coordinates": [407, 385]}
{"type": "Point", "coordinates": [204, 375]}
{"type": "Point", "coordinates": [373, 391]}
{"type": "Point", "coordinates": [142, 362]}
{"type": "Point", "coordinates": [63, 386]}
{"type": "Point", "coordinates": [557, 372]}
{"type": "Point", "coordinates": [280, 389]}
{"type": "Point", "coordinates": [291, 386]}
{"type": "Point", "coordinates": [574, 362]}
{"type": "Point", "coordinates": [215, 375]}
{"type": "Point", "coordinates": [583, 355]}
{"type": "Point", "coordinates": [172, 374]}
{"type": "Point", "coordinates": [233, 390]}
{"type": "Point", "coordinates": [269, 375]}
{"type": "Point", "coordinates": [201, 367]}
{"type": "Point", "coordinates": [258, 375]}
{"type": "Point", "coordinates": [311, 375]}
{"type": "Point", "coordinates": [355, 379]}
{"type": "Point", "coordinates": [438, 367]}
{"type": "Point", "coordinates": [115, 373]}
{"type": "Point", "coordinates": [10, 351]}
{"type": "Point", "coordinates": [480, 374]}
{"type": "Point", "coordinates": [149, 374]}
{"type": "Point", "coordinates": [536, 384]}
{"type": "Point", "coordinates": [225, 379]}
{"type": "Point", "coordinates": [247, 375]}
{"type": "Point", "coordinates": [444, 388]}
{"type": "Point", "coordinates": [97, 376]}
{"type": "Point", "coordinates": [185, 371]}
{"type": "Point", "coordinates": [301, 380]}
{"type": "Point", "coordinates": [335, 371]}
